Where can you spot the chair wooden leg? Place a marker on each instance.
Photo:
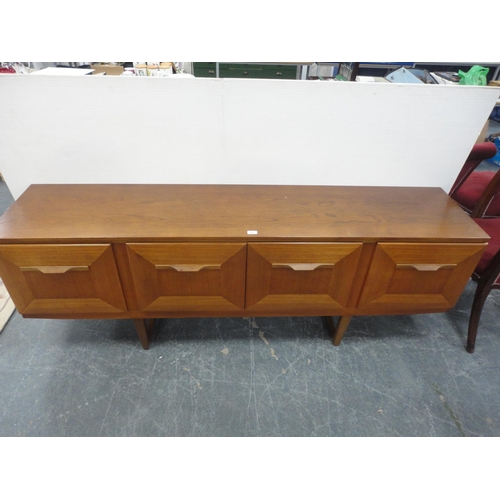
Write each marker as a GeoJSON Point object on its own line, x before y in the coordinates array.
{"type": "Point", "coordinates": [482, 292]}
{"type": "Point", "coordinates": [144, 331]}
{"type": "Point", "coordinates": [339, 330]}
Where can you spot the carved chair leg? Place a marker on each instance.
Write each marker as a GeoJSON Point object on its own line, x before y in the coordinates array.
{"type": "Point", "coordinates": [339, 330]}
{"type": "Point", "coordinates": [144, 328]}
{"type": "Point", "coordinates": [482, 292]}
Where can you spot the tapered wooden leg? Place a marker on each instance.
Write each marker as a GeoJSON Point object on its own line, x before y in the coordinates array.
{"type": "Point", "coordinates": [482, 293]}
{"type": "Point", "coordinates": [339, 330]}
{"type": "Point", "coordinates": [144, 331]}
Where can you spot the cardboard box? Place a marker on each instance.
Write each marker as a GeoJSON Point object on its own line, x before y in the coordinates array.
{"type": "Point", "coordinates": [109, 69]}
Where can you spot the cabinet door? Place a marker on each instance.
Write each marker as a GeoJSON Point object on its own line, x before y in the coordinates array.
{"type": "Point", "coordinates": [188, 277]}
{"type": "Point", "coordinates": [280, 72]}
{"type": "Point", "coordinates": [204, 69]}
{"type": "Point", "coordinates": [205, 73]}
{"type": "Point", "coordinates": [300, 278]}
{"type": "Point", "coordinates": [406, 278]}
{"type": "Point", "coordinates": [247, 72]}
{"type": "Point", "coordinates": [62, 279]}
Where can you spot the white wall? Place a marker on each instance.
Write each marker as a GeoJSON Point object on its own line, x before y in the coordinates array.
{"type": "Point", "coordinates": [58, 129]}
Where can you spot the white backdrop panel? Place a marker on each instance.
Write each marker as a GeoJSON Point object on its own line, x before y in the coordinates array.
{"type": "Point", "coordinates": [345, 133]}
{"type": "Point", "coordinates": [109, 130]}
{"type": "Point", "coordinates": [63, 129]}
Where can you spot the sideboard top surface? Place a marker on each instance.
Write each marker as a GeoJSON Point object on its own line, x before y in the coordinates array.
{"type": "Point", "coordinates": [142, 212]}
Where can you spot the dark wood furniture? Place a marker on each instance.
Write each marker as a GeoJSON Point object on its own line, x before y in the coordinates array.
{"type": "Point", "coordinates": [159, 251]}
{"type": "Point", "coordinates": [487, 276]}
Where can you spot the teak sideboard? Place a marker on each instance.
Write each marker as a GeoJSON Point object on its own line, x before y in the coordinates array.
{"type": "Point", "coordinates": [159, 251]}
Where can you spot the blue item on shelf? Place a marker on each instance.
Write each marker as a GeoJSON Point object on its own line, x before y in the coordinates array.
{"type": "Point", "coordinates": [495, 159]}
{"type": "Point", "coordinates": [495, 114]}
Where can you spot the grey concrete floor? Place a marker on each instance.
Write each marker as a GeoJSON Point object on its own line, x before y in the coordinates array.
{"type": "Point", "coordinates": [391, 376]}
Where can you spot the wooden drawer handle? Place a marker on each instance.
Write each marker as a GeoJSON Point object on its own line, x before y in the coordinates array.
{"type": "Point", "coordinates": [426, 267]}
{"type": "Point", "coordinates": [186, 268]}
{"type": "Point", "coordinates": [54, 269]}
{"type": "Point", "coordinates": [303, 266]}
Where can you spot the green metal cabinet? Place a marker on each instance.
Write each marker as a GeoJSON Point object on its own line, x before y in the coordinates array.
{"type": "Point", "coordinates": [280, 72]}
{"type": "Point", "coordinates": [241, 70]}
{"type": "Point", "coordinates": [204, 69]}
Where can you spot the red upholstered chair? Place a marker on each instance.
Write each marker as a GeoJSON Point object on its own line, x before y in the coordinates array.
{"type": "Point", "coordinates": [487, 275]}
{"type": "Point", "coordinates": [478, 192]}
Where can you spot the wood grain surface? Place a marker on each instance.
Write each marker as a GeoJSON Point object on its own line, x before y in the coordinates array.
{"type": "Point", "coordinates": [48, 213]}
